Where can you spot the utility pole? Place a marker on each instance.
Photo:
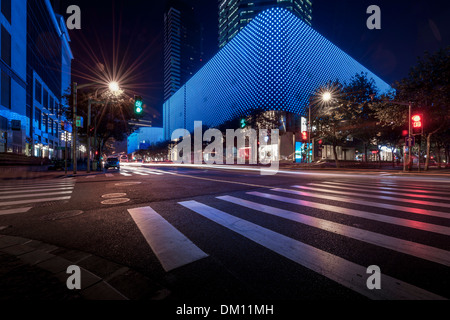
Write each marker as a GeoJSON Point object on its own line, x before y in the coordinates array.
{"type": "Point", "coordinates": [74, 125]}
{"type": "Point", "coordinates": [89, 137]}
{"type": "Point", "coordinates": [409, 136]}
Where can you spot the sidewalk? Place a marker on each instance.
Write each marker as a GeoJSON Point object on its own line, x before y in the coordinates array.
{"type": "Point", "coordinates": [32, 270]}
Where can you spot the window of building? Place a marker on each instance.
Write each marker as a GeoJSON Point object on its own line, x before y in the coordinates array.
{"type": "Point", "coordinates": [38, 91]}
{"type": "Point", "coordinates": [45, 123]}
{"type": "Point", "coordinates": [6, 46]}
{"type": "Point", "coordinates": [52, 105]}
{"type": "Point", "coordinates": [37, 115]}
{"type": "Point", "coordinates": [6, 90]}
{"type": "Point", "coordinates": [30, 118]}
{"type": "Point", "coordinates": [6, 9]}
{"type": "Point", "coordinates": [45, 102]}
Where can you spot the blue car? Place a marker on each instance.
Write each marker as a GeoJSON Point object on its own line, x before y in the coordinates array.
{"type": "Point", "coordinates": [112, 162]}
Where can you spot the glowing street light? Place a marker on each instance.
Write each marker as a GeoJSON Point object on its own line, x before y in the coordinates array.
{"type": "Point", "coordinates": [326, 97]}
{"type": "Point", "coordinates": [114, 87]}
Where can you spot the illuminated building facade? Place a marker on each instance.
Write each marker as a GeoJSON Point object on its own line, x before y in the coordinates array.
{"type": "Point", "coordinates": [275, 63]}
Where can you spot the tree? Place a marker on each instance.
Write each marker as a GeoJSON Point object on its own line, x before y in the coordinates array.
{"type": "Point", "coordinates": [428, 87]}
{"type": "Point", "coordinates": [110, 119]}
{"type": "Point", "coordinates": [359, 93]}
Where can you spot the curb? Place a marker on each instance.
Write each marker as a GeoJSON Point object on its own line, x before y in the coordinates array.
{"type": "Point", "coordinates": [31, 269]}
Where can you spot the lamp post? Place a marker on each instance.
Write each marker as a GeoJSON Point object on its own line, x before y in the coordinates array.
{"type": "Point", "coordinates": [74, 137]}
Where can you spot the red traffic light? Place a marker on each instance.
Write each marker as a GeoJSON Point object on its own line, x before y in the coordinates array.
{"type": "Point", "coordinates": [304, 135]}
{"type": "Point", "coordinates": [417, 121]}
{"type": "Point", "coordinates": [417, 124]}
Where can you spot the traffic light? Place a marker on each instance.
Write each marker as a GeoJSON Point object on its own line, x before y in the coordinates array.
{"type": "Point", "coordinates": [417, 124]}
{"type": "Point", "coordinates": [243, 123]}
{"type": "Point", "coordinates": [138, 105]}
{"type": "Point", "coordinates": [304, 136]}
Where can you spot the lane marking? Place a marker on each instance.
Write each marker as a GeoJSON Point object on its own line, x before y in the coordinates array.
{"type": "Point", "coordinates": [414, 249]}
{"type": "Point", "coordinates": [171, 247]}
{"type": "Point", "coordinates": [139, 173]}
{"type": "Point", "coordinates": [360, 214]}
{"type": "Point", "coordinates": [40, 190]}
{"type": "Point", "coordinates": [12, 203]}
{"type": "Point", "coordinates": [14, 211]}
{"type": "Point", "coordinates": [368, 203]}
{"type": "Point", "coordinates": [420, 202]}
{"type": "Point", "coordinates": [344, 272]}
{"type": "Point", "coordinates": [109, 175]}
{"type": "Point", "coordinates": [403, 186]}
{"type": "Point", "coordinates": [34, 187]}
{"type": "Point", "coordinates": [30, 195]}
{"type": "Point", "coordinates": [389, 188]}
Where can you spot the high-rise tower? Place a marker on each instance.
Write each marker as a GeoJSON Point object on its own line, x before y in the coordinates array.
{"type": "Point", "coordinates": [183, 45]}
{"type": "Point", "coordinates": [234, 15]}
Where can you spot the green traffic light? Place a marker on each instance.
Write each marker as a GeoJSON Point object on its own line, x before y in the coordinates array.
{"type": "Point", "coordinates": [243, 123]}
{"type": "Point", "coordinates": [138, 109]}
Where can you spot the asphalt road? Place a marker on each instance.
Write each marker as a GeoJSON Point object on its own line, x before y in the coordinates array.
{"type": "Point", "coordinates": [220, 234]}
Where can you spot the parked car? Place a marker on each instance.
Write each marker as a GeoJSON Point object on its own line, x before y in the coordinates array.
{"type": "Point", "coordinates": [112, 162]}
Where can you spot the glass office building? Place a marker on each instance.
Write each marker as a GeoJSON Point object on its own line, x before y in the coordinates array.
{"type": "Point", "coordinates": [183, 45]}
{"type": "Point", "coordinates": [234, 15]}
{"type": "Point", "coordinates": [275, 63]}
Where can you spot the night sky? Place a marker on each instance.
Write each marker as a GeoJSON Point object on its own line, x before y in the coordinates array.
{"type": "Point", "coordinates": [135, 29]}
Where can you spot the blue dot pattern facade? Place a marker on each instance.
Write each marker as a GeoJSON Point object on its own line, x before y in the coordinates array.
{"type": "Point", "coordinates": [275, 63]}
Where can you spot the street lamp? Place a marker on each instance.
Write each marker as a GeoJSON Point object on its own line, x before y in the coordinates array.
{"type": "Point", "coordinates": [326, 97]}
{"type": "Point", "coordinates": [114, 87]}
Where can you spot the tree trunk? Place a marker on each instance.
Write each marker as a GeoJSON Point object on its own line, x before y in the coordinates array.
{"type": "Point", "coordinates": [393, 157]}
{"type": "Point", "coordinates": [427, 161]}
{"type": "Point", "coordinates": [447, 151]}
{"type": "Point", "coordinates": [365, 152]}
{"type": "Point", "coordinates": [335, 155]}
{"type": "Point", "coordinates": [438, 153]}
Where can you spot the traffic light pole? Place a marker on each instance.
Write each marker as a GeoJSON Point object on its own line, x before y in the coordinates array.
{"type": "Point", "coordinates": [89, 137]}
{"type": "Point", "coordinates": [410, 147]}
{"type": "Point", "coordinates": [74, 136]}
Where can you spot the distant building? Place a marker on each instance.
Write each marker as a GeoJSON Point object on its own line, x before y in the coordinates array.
{"type": "Point", "coordinates": [234, 15]}
{"type": "Point", "coordinates": [143, 138]}
{"type": "Point", "coordinates": [183, 45]}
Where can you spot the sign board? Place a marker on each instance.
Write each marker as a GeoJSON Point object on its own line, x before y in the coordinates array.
{"type": "Point", "coordinates": [79, 123]}
{"type": "Point", "coordinates": [410, 141]}
{"type": "Point", "coordinates": [66, 126]}
{"type": "Point", "coordinates": [304, 125]}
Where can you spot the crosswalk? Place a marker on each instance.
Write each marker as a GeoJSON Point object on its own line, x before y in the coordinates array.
{"type": "Point", "coordinates": [408, 221]}
{"type": "Point", "coordinates": [21, 197]}
{"type": "Point", "coordinates": [128, 172]}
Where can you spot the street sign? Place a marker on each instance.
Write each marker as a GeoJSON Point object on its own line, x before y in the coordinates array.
{"type": "Point", "coordinates": [66, 126]}
{"type": "Point", "coordinates": [79, 122]}
{"type": "Point", "coordinates": [410, 141]}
